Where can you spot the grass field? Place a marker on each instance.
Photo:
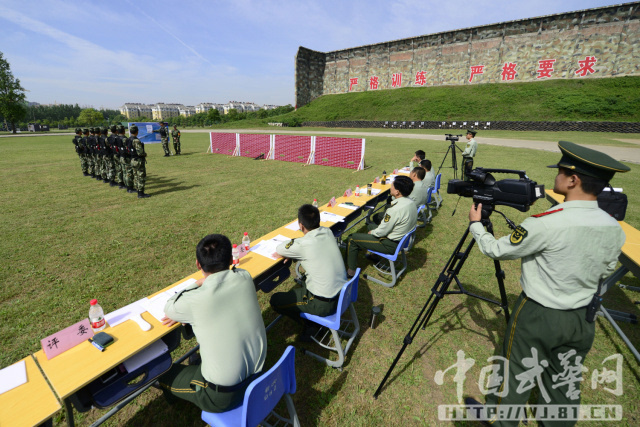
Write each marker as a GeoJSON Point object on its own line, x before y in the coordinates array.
{"type": "Point", "coordinates": [68, 238]}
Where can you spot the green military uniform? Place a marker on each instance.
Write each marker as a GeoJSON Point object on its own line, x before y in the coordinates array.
{"type": "Point", "coordinates": [91, 147]}
{"type": "Point", "coordinates": [107, 158]}
{"type": "Point", "coordinates": [125, 161]}
{"type": "Point", "coordinates": [175, 135]}
{"type": "Point", "coordinates": [398, 220]}
{"type": "Point", "coordinates": [430, 179]}
{"type": "Point", "coordinates": [566, 252]}
{"type": "Point", "coordinates": [468, 154]}
{"type": "Point", "coordinates": [116, 151]}
{"type": "Point", "coordinates": [227, 322]}
{"type": "Point", "coordinates": [325, 275]}
{"type": "Point", "coordinates": [164, 138]}
{"type": "Point", "coordinates": [77, 143]}
{"type": "Point", "coordinates": [138, 162]}
{"type": "Point", "coordinates": [420, 193]}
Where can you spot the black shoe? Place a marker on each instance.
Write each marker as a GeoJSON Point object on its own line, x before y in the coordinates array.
{"type": "Point", "coordinates": [195, 359]}
{"type": "Point", "coordinates": [113, 184]}
{"type": "Point", "coordinates": [372, 257]}
{"type": "Point", "coordinates": [166, 155]}
{"type": "Point", "coordinates": [121, 186]}
{"type": "Point", "coordinates": [474, 409]}
{"type": "Point", "coordinates": [141, 195]}
{"type": "Point", "coordinates": [85, 174]}
{"type": "Point", "coordinates": [131, 190]}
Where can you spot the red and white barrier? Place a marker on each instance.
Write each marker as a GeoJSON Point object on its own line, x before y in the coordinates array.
{"type": "Point", "coordinates": [319, 150]}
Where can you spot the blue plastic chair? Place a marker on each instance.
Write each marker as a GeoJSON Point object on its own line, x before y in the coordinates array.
{"type": "Point", "coordinates": [390, 268]}
{"type": "Point", "coordinates": [437, 195]}
{"type": "Point", "coordinates": [422, 216]}
{"type": "Point", "coordinates": [262, 395]}
{"type": "Point", "coordinates": [336, 326]}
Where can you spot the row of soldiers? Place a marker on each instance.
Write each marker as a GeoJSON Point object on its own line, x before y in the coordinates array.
{"type": "Point", "coordinates": [114, 159]}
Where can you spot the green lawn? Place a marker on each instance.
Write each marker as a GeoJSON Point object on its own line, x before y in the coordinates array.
{"type": "Point", "coordinates": [68, 238]}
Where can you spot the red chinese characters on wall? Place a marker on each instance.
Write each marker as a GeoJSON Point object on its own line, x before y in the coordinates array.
{"type": "Point", "coordinates": [374, 81]}
{"type": "Point", "coordinates": [586, 66]}
{"type": "Point", "coordinates": [396, 80]}
{"type": "Point", "coordinates": [352, 82]}
{"type": "Point", "coordinates": [545, 68]}
{"type": "Point", "coordinates": [509, 71]}
{"type": "Point", "coordinates": [475, 70]}
{"type": "Point", "coordinates": [421, 78]}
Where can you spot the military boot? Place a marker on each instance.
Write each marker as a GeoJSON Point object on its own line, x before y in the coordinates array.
{"type": "Point", "coordinates": [130, 190]}
{"type": "Point", "coordinates": [141, 195]}
{"type": "Point", "coordinates": [113, 184]}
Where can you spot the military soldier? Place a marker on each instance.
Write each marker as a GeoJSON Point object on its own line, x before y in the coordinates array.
{"type": "Point", "coordinates": [469, 153]}
{"type": "Point", "coordinates": [420, 192]}
{"type": "Point", "coordinates": [125, 160]}
{"type": "Point", "coordinates": [175, 135]}
{"type": "Point", "coordinates": [116, 149]}
{"type": "Point", "coordinates": [138, 160]}
{"type": "Point", "coordinates": [164, 137]}
{"type": "Point", "coordinates": [107, 155]}
{"type": "Point", "coordinates": [429, 176]}
{"type": "Point", "coordinates": [324, 271]}
{"type": "Point", "coordinates": [91, 147]}
{"type": "Point", "coordinates": [399, 219]}
{"type": "Point", "coordinates": [77, 142]}
{"type": "Point", "coordinates": [566, 252]}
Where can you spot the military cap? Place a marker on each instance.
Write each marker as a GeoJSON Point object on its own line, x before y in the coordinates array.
{"type": "Point", "coordinates": [120, 128]}
{"type": "Point", "coordinates": [133, 129]}
{"type": "Point", "coordinates": [472, 131]}
{"type": "Point", "coordinates": [588, 162]}
{"type": "Point", "coordinates": [113, 128]}
{"type": "Point", "coordinates": [85, 130]}
{"type": "Point", "coordinates": [78, 130]}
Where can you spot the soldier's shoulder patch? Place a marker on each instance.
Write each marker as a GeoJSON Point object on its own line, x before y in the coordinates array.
{"type": "Point", "coordinates": [518, 235]}
{"type": "Point", "coordinates": [387, 217]}
{"type": "Point", "coordinates": [288, 245]}
{"type": "Point", "coordinates": [546, 213]}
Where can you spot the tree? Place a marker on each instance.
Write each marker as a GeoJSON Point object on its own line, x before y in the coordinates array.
{"type": "Point", "coordinates": [12, 96]}
{"type": "Point", "coordinates": [214, 115]}
{"type": "Point", "coordinates": [91, 117]}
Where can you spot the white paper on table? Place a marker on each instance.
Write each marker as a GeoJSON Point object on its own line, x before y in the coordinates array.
{"type": "Point", "coordinates": [293, 226]}
{"type": "Point", "coordinates": [145, 356]}
{"type": "Point", "coordinates": [374, 191]}
{"type": "Point", "coordinates": [330, 217]}
{"type": "Point", "coordinates": [155, 305]}
{"type": "Point", "coordinates": [406, 169]}
{"type": "Point", "coordinates": [352, 207]}
{"type": "Point", "coordinates": [125, 313]}
{"type": "Point", "coordinates": [13, 376]}
{"type": "Point", "coordinates": [267, 248]}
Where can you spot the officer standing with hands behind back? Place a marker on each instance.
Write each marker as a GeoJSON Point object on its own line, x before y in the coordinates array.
{"type": "Point", "coordinates": [138, 161]}
{"type": "Point", "coordinates": [469, 153]}
{"type": "Point", "coordinates": [566, 252]}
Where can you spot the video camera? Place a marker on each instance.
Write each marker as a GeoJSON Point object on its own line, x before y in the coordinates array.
{"type": "Point", "coordinates": [516, 193]}
{"type": "Point", "coordinates": [452, 138]}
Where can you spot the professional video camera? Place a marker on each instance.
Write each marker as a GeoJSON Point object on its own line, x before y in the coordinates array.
{"type": "Point", "coordinates": [452, 138]}
{"type": "Point", "coordinates": [516, 193]}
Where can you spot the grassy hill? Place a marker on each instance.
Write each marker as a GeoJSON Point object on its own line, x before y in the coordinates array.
{"type": "Point", "coordinates": [606, 99]}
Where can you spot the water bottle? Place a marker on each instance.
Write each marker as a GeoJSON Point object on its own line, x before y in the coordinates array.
{"type": "Point", "coordinates": [236, 254]}
{"type": "Point", "coordinates": [315, 203]}
{"type": "Point", "coordinates": [384, 177]}
{"type": "Point", "coordinates": [96, 316]}
{"type": "Point", "coordinates": [357, 190]}
{"type": "Point", "coordinates": [246, 241]}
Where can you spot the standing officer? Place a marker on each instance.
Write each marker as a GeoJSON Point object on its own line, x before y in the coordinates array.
{"type": "Point", "coordinates": [164, 137]}
{"type": "Point", "coordinates": [398, 220]}
{"type": "Point", "coordinates": [469, 153]}
{"type": "Point", "coordinates": [91, 144]}
{"type": "Point", "coordinates": [175, 135]}
{"type": "Point", "coordinates": [77, 142]}
{"type": "Point", "coordinates": [324, 271]}
{"type": "Point", "coordinates": [138, 160]}
{"type": "Point", "coordinates": [116, 150]}
{"type": "Point", "coordinates": [566, 252]}
{"type": "Point", "coordinates": [107, 157]}
{"type": "Point", "coordinates": [125, 160]}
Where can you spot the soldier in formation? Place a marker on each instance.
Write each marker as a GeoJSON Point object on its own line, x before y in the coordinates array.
{"type": "Point", "coordinates": [164, 137]}
{"type": "Point", "coordinates": [175, 135]}
{"type": "Point", "coordinates": [138, 162]}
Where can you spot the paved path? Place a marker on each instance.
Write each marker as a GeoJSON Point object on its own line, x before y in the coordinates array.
{"type": "Point", "coordinates": [625, 154]}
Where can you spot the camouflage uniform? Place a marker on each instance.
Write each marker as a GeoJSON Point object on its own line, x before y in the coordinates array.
{"type": "Point", "coordinates": [77, 142]}
{"type": "Point", "coordinates": [175, 135]}
{"type": "Point", "coordinates": [90, 140]}
{"type": "Point", "coordinates": [138, 163]}
{"type": "Point", "coordinates": [107, 158]}
{"type": "Point", "coordinates": [164, 137]}
{"type": "Point", "coordinates": [116, 149]}
{"type": "Point", "coordinates": [125, 161]}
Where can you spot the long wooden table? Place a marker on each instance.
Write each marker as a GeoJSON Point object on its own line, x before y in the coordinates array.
{"type": "Point", "coordinates": [630, 260]}
{"type": "Point", "coordinates": [74, 369]}
{"type": "Point", "coordinates": [31, 403]}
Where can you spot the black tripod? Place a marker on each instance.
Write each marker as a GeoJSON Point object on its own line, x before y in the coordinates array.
{"type": "Point", "coordinates": [452, 147]}
{"type": "Point", "coordinates": [440, 289]}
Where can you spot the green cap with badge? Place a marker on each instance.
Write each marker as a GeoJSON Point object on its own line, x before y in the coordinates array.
{"type": "Point", "coordinates": [588, 162]}
{"type": "Point", "coordinates": [133, 129]}
{"type": "Point", "coordinates": [472, 131]}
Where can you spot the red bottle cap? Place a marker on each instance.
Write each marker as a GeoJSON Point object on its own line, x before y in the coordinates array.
{"type": "Point", "coordinates": [93, 302]}
{"type": "Point", "coordinates": [235, 246]}
{"type": "Point", "coordinates": [246, 233]}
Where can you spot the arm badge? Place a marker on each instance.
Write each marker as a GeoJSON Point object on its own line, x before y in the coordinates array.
{"type": "Point", "coordinates": [288, 245]}
{"type": "Point", "coordinates": [387, 218]}
{"type": "Point", "coordinates": [518, 235]}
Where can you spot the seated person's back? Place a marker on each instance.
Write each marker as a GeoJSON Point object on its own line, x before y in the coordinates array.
{"type": "Point", "coordinates": [429, 177]}
{"type": "Point", "coordinates": [420, 193]}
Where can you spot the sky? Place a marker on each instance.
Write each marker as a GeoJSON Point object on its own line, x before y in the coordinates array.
{"type": "Point", "coordinates": [102, 54]}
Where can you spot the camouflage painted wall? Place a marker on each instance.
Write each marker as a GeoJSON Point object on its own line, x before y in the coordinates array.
{"type": "Point", "coordinates": [508, 52]}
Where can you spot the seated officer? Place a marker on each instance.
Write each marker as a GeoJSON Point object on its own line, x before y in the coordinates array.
{"type": "Point", "coordinates": [398, 220]}
{"type": "Point", "coordinates": [429, 176]}
{"type": "Point", "coordinates": [417, 158]}
{"type": "Point", "coordinates": [223, 310]}
{"type": "Point", "coordinates": [420, 193]}
{"type": "Point", "coordinates": [324, 270]}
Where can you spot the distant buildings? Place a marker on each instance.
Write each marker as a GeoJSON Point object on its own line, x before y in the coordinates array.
{"type": "Point", "coordinates": [162, 111]}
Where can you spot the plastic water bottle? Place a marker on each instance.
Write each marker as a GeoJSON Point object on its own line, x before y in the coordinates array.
{"type": "Point", "coordinates": [357, 190]}
{"type": "Point", "coordinates": [246, 241]}
{"type": "Point", "coordinates": [236, 254]}
{"type": "Point", "coordinates": [315, 203]}
{"type": "Point", "coordinates": [384, 177]}
{"type": "Point", "coordinates": [96, 316]}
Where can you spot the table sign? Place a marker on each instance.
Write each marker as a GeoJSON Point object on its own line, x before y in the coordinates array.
{"type": "Point", "coordinates": [377, 180]}
{"type": "Point", "coordinates": [348, 193]}
{"type": "Point", "coordinates": [67, 338]}
{"type": "Point", "coordinates": [395, 171]}
{"type": "Point", "coordinates": [243, 251]}
{"type": "Point", "coordinates": [332, 202]}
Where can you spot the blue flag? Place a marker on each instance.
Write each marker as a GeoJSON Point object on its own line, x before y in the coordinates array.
{"type": "Point", "coordinates": [146, 132]}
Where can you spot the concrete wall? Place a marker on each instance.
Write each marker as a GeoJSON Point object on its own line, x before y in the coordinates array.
{"type": "Point", "coordinates": [609, 34]}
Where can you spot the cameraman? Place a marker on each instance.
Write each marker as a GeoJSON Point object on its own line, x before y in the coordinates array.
{"type": "Point", "coordinates": [469, 153]}
{"type": "Point", "coordinates": [566, 252]}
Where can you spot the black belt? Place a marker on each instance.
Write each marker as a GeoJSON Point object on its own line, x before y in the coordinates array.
{"type": "Point", "coordinates": [324, 299]}
{"type": "Point", "coordinates": [550, 308]}
{"type": "Point", "coordinates": [232, 388]}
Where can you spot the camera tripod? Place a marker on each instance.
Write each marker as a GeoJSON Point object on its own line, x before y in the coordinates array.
{"type": "Point", "coordinates": [454, 162]}
{"type": "Point", "coordinates": [441, 288]}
